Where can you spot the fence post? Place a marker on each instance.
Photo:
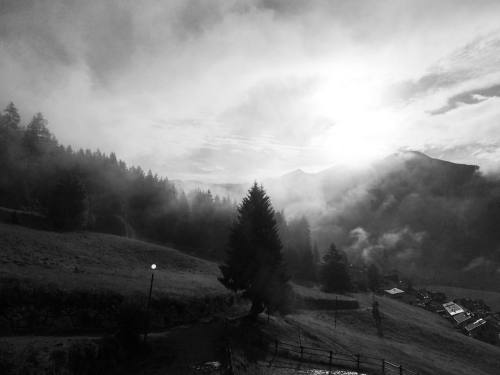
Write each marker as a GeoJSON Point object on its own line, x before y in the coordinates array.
{"type": "Point", "coordinates": [400, 369]}
{"type": "Point", "coordinates": [275, 347]}
{"type": "Point", "coordinates": [383, 366]}
{"type": "Point", "coordinates": [357, 362]}
{"type": "Point", "coordinates": [330, 359]}
{"type": "Point", "coordinates": [301, 352]}
{"type": "Point", "coordinates": [230, 355]}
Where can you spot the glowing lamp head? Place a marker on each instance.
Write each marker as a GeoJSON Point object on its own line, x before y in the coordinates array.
{"type": "Point", "coordinates": [153, 266]}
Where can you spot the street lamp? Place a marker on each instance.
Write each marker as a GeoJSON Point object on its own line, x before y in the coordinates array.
{"type": "Point", "coordinates": [153, 267]}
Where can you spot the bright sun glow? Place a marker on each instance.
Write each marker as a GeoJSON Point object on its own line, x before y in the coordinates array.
{"type": "Point", "coordinates": [360, 129]}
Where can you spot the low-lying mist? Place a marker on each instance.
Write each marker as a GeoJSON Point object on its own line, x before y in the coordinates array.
{"type": "Point", "coordinates": [427, 218]}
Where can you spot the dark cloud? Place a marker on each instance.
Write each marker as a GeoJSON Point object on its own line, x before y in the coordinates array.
{"type": "Point", "coordinates": [469, 97]}
{"type": "Point", "coordinates": [408, 90]}
{"type": "Point", "coordinates": [475, 59]}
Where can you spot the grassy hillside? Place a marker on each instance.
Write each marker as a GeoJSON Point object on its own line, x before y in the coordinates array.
{"type": "Point", "coordinates": [414, 337]}
{"type": "Point", "coordinates": [101, 261]}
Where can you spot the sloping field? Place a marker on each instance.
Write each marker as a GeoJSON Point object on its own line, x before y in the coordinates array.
{"type": "Point", "coordinates": [315, 299]}
{"type": "Point", "coordinates": [413, 337]}
{"type": "Point", "coordinates": [101, 261]}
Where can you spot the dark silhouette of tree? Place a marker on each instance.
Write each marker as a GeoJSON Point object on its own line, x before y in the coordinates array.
{"type": "Point", "coordinates": [334, 274]}
{"type": "Point", "coordinates": [254, 261]}
{"type": "Point", "coordinates": [68, 203]}
{"type": "Point", "coordinates": [373, 276]}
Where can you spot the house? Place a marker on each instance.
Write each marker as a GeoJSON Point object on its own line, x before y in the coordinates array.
{"type": "Point", "coordinates": [453, 309]}
{"type": "Point", "coordinates": [395, 292]}
{"type": "Point", "coordinates": [472, 328]}
{"type": "Point", "coordinates": [462, 318]}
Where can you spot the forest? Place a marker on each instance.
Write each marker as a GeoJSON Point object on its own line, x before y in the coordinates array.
{"type": "Point", "coordinates": [90, 190]}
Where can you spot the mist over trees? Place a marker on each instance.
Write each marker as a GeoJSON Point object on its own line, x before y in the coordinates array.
{"type": "Point", "coordinates": [91, 190]}
{"type": "Point", "coordinates": [429, 218]}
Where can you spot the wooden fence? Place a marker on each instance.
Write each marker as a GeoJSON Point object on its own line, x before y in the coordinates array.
{"type": "Point", "coordinates": [329, 359]}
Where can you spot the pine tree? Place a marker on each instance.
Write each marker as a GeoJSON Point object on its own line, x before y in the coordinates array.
{"type": "Point", "coordinates": [37, 137]}
{"type": "Point", "coordinates": [334, 274]}
{"type": "Point", "coordinates": [11, 119]}
{"type": "Point", "coordinates": [254, 262]}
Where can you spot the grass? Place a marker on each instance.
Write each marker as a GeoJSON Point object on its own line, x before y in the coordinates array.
{"type": "Point", "coordinates": [101, 261]}
{"type": "Point", "coordinates": [314, 298]}
{"type": "Point", "coordinates": [416, 338]}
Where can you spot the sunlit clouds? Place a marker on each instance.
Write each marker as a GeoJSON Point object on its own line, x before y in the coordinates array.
{"type": "Point", "coordinates": [233, 91]}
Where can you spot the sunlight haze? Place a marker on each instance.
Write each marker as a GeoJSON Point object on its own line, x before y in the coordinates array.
{"type": "Point", "coordinates": [238, 90]}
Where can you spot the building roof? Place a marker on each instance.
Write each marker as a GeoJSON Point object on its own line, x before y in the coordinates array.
{"type": "Point", "coordinates": [394, 291]}
{"type": "Point", "coordinates": [452, 308]}
{"type": "Point", "coordinates": [472, 326]}
{"type": "Point", "coordinates": [461, 317]}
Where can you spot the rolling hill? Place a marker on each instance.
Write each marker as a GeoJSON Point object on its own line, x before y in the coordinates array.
{"type": "Point", "coordinates": [94, 261]}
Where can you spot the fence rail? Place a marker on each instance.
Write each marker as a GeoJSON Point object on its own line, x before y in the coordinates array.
{"type": "Point", "coordinates": [330, 358]}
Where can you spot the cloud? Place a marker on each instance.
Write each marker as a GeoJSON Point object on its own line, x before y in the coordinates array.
{"type": "Point", "coordinates": [468, 62]}
{"type": "Point", "coordinates": [277, 85]}
{"type": "Point", "coordinates": [386, 249]}
{"type": "Point", "coordinates": [469, 97]}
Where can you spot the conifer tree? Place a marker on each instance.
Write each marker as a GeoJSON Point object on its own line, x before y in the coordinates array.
{"type": "Point", "coordinates": [11, 119]}
{"type": "Point", "coordinates": [334, 274]}
{"type": "Point", "coordinates": [37, 137]}
{"type": "Point", "coordinates": [254, 261]}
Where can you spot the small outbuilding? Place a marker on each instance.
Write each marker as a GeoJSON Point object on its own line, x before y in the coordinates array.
{"type": "Point", "coordinates": [395, 292]}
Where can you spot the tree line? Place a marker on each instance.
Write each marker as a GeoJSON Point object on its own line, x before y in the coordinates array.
{"type": "Point", "coordinates": [94, 191]}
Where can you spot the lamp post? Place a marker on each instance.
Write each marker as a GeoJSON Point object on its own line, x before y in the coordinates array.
{"type": "Point", "coordinates": [153, 267]}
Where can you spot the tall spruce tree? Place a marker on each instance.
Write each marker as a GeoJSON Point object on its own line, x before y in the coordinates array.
{"type": "Point", "coordinates": [11, 119]}
{"type": "Point", "coordinates": [254, 261]}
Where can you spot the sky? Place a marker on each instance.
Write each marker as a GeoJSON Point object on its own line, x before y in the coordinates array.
{"type": "Point", "coordinates": [233, 91]}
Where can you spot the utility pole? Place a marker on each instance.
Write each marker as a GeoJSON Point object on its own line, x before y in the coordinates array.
{"type": "Point", "coordinates": [335, 315]}
{"type": "Point", "coordinates": [146, 326]}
